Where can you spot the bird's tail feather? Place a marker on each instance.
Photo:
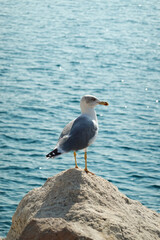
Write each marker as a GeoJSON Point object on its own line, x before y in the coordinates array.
{"type": "Point", "coordinates": [53, 153]}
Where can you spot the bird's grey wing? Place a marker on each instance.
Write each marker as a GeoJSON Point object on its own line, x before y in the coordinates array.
{"type": "Point", "coordinates": [66, 129]}
{"type": "Point", "coordinates": [82, 131]}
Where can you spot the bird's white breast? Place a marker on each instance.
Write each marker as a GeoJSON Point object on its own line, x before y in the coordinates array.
{"type": "Point", "coordinates": [94, 137]}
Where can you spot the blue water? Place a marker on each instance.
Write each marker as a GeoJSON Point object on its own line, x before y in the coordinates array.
{"type": "Point", "coordinates": [54, 52]}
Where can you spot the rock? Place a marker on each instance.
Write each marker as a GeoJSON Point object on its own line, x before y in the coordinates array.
{"type": "Point", "coordinates": [74, 205]}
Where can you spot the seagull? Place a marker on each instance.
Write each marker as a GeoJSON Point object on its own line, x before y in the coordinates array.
{"type": "Point", "coordinates": [81, 132]}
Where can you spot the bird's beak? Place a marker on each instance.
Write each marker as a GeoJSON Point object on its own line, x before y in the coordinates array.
{"type": "Point", "coordinates": [103, 103]}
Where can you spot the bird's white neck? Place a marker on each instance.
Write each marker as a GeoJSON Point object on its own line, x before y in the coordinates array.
{"type": "Point", "coordinates": [90, 112]}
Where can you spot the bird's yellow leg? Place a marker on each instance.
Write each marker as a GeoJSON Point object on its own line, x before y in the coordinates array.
{"type": "Point", "coordinates": [76, 166]}
{"type": "Point", "coordinates": [85, 157]}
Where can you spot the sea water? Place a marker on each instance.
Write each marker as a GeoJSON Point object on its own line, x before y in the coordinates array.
{"type": "Point", "coordinates": [51, 54]}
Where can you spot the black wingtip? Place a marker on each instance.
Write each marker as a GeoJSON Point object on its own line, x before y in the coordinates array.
{"type": "Point", "coordinates": [53, 154]}
{"type": "Point", "coordinates": [50, 155]}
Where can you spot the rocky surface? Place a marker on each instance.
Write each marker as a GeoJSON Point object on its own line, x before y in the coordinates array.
{"type": "Point", "coordinates": [75, 205]}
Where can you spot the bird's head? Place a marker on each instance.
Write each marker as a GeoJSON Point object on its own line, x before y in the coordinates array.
{"type": "Point", "coordinates": [89, 101]}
